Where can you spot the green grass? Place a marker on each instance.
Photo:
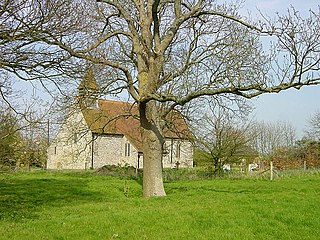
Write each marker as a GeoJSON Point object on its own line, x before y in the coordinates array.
{"type": "Point", "coordinates": [81, 205]}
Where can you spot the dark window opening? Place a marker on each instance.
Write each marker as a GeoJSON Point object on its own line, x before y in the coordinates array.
{"type": "Point", "coordinates": [178, 150]}
{"type": "Point", "coordinates": [127, 150]}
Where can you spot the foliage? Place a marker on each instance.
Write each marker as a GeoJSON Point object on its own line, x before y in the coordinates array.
{"type": "Point", "coordinates": [20, 146]}
{"type": "Point", "coordinates": [10, 139]}
{"type": "Point", "coordinates": [86, 206]}
{"type": "Point", "coordinates": [34, 151]}
{"type": "Point", "coordinates": [120, 171]}
{"type": "Point", "coordinates": [309, 151]}
{"type": "Point", "coordinates": [305, 153]}
{"type": "Point", "coordinates": [201, 158]}
{"type": "Point", "coordinates": [223, 138]}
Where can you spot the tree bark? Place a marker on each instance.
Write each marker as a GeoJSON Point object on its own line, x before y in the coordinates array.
{"type": "Point", "coordinates": [152, 141]}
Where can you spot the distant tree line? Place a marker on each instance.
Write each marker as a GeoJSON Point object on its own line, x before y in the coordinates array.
{"type": "Point", "coordinates": [222, 140]}
{"type": "Point", "coordinates": [305, 152]}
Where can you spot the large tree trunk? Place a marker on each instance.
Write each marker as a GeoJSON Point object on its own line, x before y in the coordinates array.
{"type": "Point", "coordinates": [152, 141]}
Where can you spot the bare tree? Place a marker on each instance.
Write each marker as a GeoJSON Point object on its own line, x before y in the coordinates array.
{"type": "Point", "coordinates": [172, 52]}
{"type": "Point", "coordinates": [268, 137]}
{"type": "Point", "coordinates": [23, 54]}
{"type": "Point", "coordinates": [223, 136]}
{"type": "Point", "coordinates": [313, 131]}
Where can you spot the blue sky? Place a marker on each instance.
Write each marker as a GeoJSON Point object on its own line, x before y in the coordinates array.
{"type": "Point", "coordinates": [292, 105]}
{"type": "Point", "coordinates": [272, 6]}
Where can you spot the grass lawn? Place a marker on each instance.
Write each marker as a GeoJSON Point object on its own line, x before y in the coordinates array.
{"type": "Point", "coordinates": [82, 205]}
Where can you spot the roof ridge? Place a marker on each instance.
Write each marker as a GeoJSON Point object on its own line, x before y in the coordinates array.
{"type": "Point", "coordinates": [115, 101]}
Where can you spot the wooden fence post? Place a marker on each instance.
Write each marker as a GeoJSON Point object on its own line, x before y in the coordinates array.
{"type": "Point", "coordinates": [271, 170]}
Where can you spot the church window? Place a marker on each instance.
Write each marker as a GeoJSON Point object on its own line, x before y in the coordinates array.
{"type": "Point", "coordinates": [178, 150]}
{"type": "Point", "coordinates": [127, 150]}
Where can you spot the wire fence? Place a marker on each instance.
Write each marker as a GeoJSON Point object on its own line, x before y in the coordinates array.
{"type": "Point", "coordinates": [270, 173]}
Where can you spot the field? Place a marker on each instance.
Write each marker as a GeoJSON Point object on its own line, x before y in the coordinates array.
{"type": "Point", "coordinates": [83, 205]}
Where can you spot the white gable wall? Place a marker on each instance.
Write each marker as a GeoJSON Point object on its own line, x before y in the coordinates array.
{"type": "Point", "coordinates": [71, 149]}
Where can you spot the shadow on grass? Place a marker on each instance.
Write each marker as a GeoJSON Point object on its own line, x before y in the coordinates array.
{"type": "Point", "coordinates": [22, 198]}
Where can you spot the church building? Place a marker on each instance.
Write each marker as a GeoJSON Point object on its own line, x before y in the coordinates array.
{"type": "Point", "coordinates": [98, 132]}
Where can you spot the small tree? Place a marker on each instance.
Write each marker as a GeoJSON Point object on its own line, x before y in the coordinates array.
{"type": "Point", "coordinates": [223, 138]}
{"type": "Point", "coordinates": [10, 139]}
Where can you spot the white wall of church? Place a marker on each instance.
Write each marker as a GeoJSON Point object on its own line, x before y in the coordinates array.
{"type": "Point", "coordinates": [177, 152]}
{"type": "Point", "coordinates": [71, 148]}
{"type": "Point", "coordinates": [114, 150]}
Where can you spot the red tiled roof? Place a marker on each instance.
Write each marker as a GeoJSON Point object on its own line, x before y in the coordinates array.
{"type": "Point", "coordinates": [115, 117]}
